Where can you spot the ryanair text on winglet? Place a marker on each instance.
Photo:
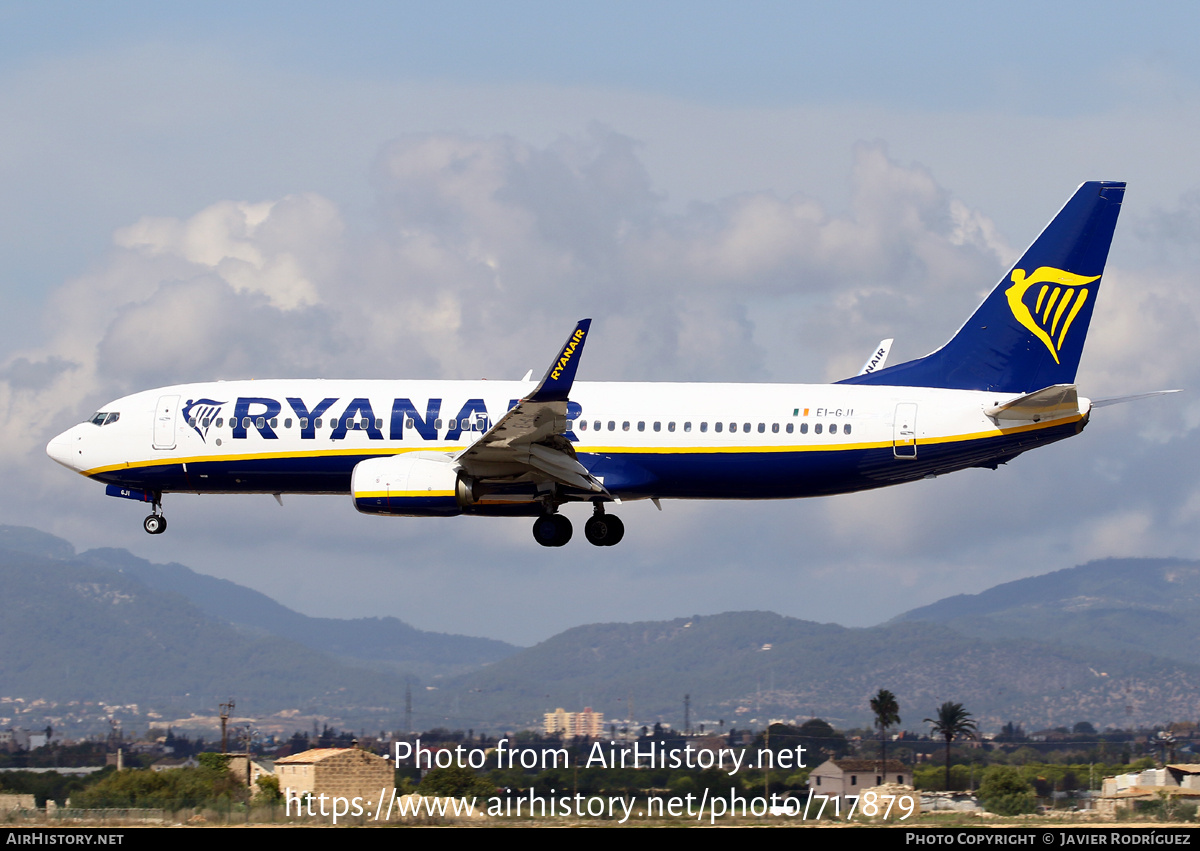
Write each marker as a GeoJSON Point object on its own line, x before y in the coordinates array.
{"type": "Point", "coordinates": [576, 339]}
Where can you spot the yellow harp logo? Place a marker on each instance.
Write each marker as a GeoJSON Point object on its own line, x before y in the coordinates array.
{"type": "Point", "coordinates": [1058, 302]}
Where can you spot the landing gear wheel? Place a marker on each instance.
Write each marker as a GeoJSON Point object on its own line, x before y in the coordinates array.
{"type": "Point", "coordinates": [604, 530]}
{"type": "Point", "coordinates": [552, 530]}
{"type": "Point", "coordinates": [155, 524]}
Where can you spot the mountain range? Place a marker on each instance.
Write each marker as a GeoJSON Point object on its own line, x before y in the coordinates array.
{"type": "Point", "coordinates": [101, 633]}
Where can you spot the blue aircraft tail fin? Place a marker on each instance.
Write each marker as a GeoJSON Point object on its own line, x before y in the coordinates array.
{"type": "Point", "coordinates": [1029, 332]}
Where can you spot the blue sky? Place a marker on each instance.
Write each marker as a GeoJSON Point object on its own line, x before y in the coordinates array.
{"type": "Point", "coordinates": [140, 142]}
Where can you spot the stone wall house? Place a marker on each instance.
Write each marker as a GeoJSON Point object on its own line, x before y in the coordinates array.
{"type": "Point", "coordinates": [343, 772]}
{"type": "Point", "coordinates": [10, 801]}
{"type": "Point", "coordinates": [249, 769]}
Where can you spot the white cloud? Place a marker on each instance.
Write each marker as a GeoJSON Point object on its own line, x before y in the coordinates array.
{"type": "Point", "coordinates": [478, 255]}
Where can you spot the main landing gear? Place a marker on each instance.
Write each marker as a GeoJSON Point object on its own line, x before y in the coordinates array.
{"type": "Point", "coordinates": [155, 523]}
{"type": "Point", "coordinates": [552, 530]}
{"type": "Point", "coordinates": [602, 530]}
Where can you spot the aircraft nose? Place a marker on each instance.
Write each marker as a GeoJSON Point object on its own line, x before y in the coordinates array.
{"type": "Point", "coordinates": [65, 449]}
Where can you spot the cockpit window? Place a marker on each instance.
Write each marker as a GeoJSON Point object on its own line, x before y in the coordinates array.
{"type": "Point", "coordinates": [103, 418]}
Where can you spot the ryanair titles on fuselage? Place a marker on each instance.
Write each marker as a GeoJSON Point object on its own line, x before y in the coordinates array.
{"type": "Point", "coordinates": [261, 414]}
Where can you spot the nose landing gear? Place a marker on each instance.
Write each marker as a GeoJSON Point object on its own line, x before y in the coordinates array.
{"type": "Point", "coordinates": [155, 523]}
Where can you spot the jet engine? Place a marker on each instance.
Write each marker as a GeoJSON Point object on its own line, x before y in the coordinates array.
{"type": "Point", "coordinates": [415, 484]}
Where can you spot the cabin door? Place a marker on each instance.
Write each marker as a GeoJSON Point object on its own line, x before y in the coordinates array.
{"type": "Point", "coordinates": [165, 415]}
{"type": "Point", "coordinates": [904, 431]}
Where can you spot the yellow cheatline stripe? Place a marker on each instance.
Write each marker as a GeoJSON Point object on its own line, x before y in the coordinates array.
{"type": "Point", "coordinates": [592, 450]}
{"type": "Point", "coordinates": [400, 494]}
{"type": "Point", "coordinates": [260, 456]}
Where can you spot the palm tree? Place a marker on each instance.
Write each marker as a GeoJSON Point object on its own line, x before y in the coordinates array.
{"type": "Point", "coordinates": [887, 713]}
{"type": "Point", "coordinates": [952, 722]}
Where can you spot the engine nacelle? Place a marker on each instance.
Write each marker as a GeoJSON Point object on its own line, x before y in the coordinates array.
{"type": "Point", "coordinates": [415, 484]}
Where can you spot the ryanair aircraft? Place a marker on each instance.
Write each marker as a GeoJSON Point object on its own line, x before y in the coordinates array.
{"type": "Point", "coordinates": [1004, 384]}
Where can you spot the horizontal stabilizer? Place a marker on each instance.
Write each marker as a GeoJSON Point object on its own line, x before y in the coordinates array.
{"type": "Point", "coordinates": [1117, 400]}
{"type": "Point", "coordinates": [1049, 403]}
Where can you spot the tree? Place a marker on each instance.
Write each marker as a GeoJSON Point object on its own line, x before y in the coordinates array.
{"type": "Point", "coordinates": [268, 794]}
{"type": "Point", "coordinates": [952, 721]}
{"type": "Point", "coordinates": [1005, 792]}
{"type": "Point", "coordinates": [887, 713]}
{"type": "Point", "coordinates": [454, 781]}
{"type": "Point", "coordinates": [821, 741]}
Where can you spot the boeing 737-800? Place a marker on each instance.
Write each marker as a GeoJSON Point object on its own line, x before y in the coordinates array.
{"type": "Point", "coordinates": [1004, 384]}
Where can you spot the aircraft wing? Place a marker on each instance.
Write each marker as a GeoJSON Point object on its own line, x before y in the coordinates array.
{"type": "Point", "coordinates": [529, 442]}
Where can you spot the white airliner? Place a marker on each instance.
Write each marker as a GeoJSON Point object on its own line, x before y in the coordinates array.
{"type": "Point", "coordinates": [1002, 385]}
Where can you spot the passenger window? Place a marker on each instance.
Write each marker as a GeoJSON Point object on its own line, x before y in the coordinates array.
{"type": "Point", "coordinates": [287, 423]}
{"type": "Point", "coordinates": [379, 423]}
{"type": "Point", "coordinates": [274, 422]}
{"type": "Point", "coordinates": [732, 427]}
{"type": "Point", "coordinates": [582, 425]}
{"type": "Point", "coordinates": [846, 428]}
{"type": "Point", "coordinates": [789, 428]}
{"type": "Point", "coordinates": [334, 423]}
{"type": "Point", "coordinates": [260, 423]}
{"type": "Point", "coordinates": [596, 425]}
{"type": "Point", "coordinates": [746, 427]}
{"type": "Point", "coordinates": [625, 426]}
{"type": "Point", "coordinates": [703, 427]}
{"type": "Point", "coordinates": [303, 422]}
{"type": "Point", "coordinates": [245, 422]}
{"type": "Point", "coordinates": [206, 422]}
{"type": "Point", "coordinates": [817, 428]}
{"type": "Point", "coordinates": [641, 425]}
{"type": "Point", "coordinates": [317, 423]}
{"type": "Point", "coordinates": [774, 428]}
{"type": "Point", "coordinates": [453, 425]}
{"type": "Point", "coordinates": [657, 426]}
{"type": "Point", "coordinates": [804, 428]}
{"type": "Point", "coordinates": [407, 424]}
{"type": "Point", "coordinates": [220, 421]}
{"type": "Point", "coordinates": [762, 428]}
{"type": "Point", "coordinates": [192, 422]}
{"type": "Point", "coordinates": [612, 425]}
{"type": "Point", "coordinates": [833, 428]}
{"type": "Point", "coordinates": [718, 426]}
{"type": "Point", "coordinates": [671, 426]}
{"type": "Point", "coordinates": [437, 424]}
{"type": "Point", "coordinates": [687, 426]}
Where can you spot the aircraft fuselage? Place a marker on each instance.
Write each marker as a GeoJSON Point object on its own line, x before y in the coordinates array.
{"type": "Point", "coordinates": [667, 441]}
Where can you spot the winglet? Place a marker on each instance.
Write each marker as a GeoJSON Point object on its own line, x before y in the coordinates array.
{"type": "Point", "coordinates": [878, 357]}
{"type": "Point", "coordinates": [556, 384]}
